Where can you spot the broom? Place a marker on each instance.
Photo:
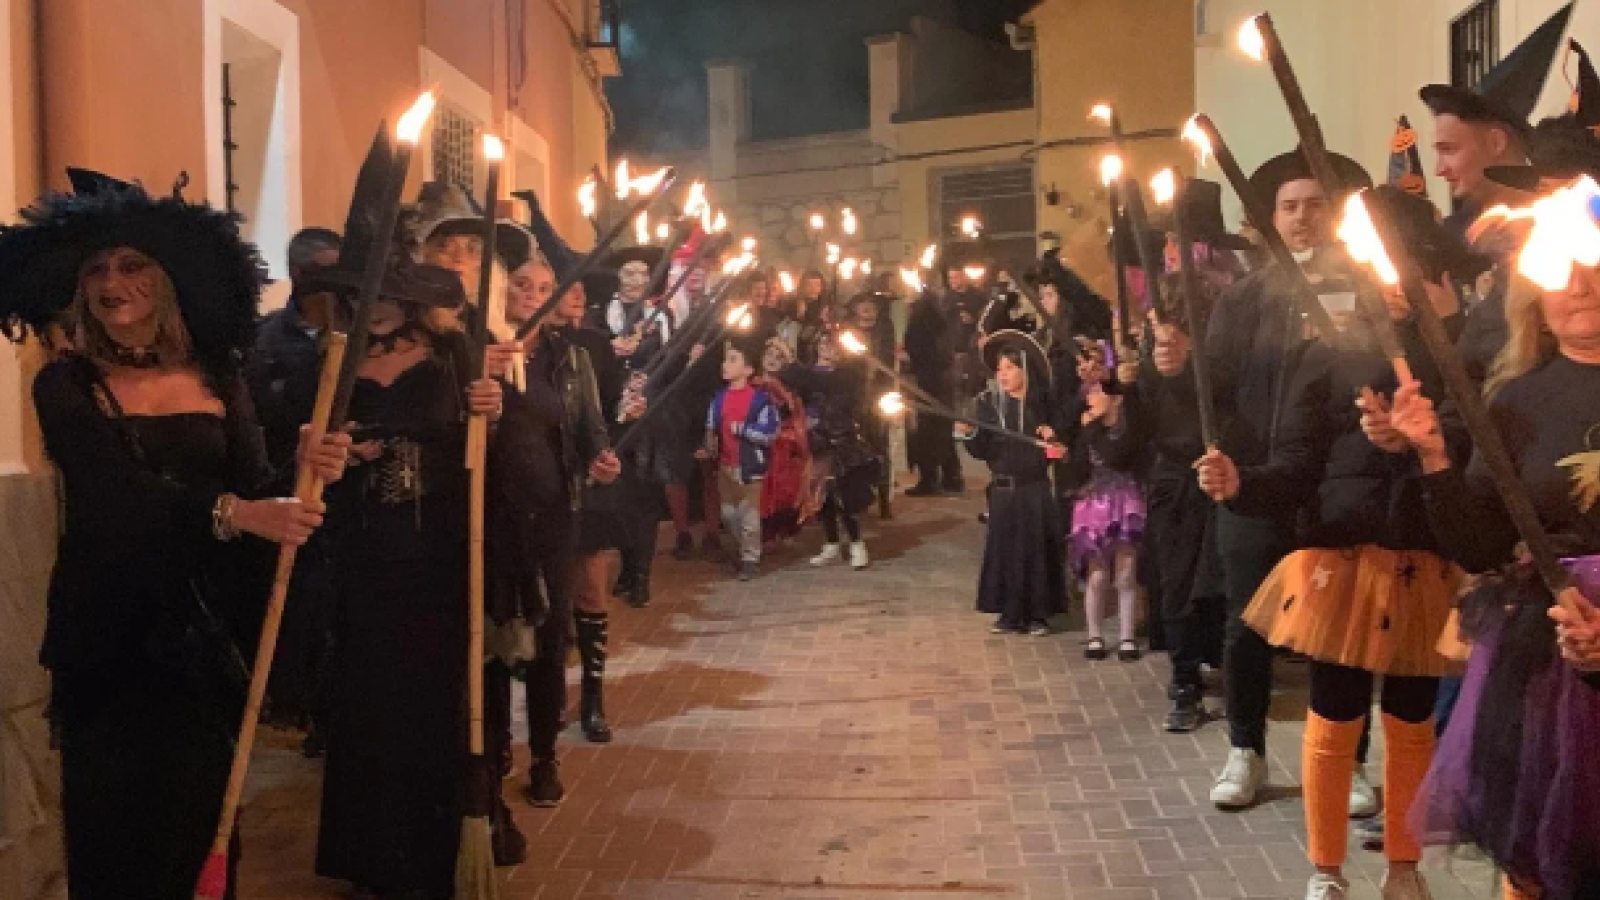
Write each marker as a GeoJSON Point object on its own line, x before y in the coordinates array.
{"type": "Point", "coordinates": [213, 881]}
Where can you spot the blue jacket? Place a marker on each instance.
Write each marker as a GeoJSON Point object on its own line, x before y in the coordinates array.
{"type": "Point", "coordinates": [760, 429]}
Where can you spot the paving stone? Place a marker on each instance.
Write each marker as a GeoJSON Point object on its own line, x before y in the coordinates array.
{"type": "Point", "coordinates": [839, 735]}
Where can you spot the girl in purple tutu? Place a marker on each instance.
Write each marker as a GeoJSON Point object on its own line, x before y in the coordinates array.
{"type": "Point", "coordinates": [1515, 773]}
{"type": "Point", "coordinates": [1108, 510]}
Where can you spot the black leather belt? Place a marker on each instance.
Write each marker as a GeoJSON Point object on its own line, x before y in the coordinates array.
{"type": "Point", "coordinates": [1012, 482]}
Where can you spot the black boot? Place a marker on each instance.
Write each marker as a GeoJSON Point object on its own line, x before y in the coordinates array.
{"type": "Point", "coordinates": [639, 592]}
{"type": "Point", "coordinates": [592, 633]}
{"type": "Point", "coordinates": [509, 845]}
{"type": "Point", "coordinates": [927, 487]}
{"type": "Point", "coordinates": [1186, 714]}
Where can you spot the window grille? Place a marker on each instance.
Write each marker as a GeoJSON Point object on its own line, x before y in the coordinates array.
{"type": "Point", "coordinates": [229, 146]}
{"type": "Point", "coordinates": [1003, 201]}
{"type": "Point", "coordinates": [455, 149]}
{"type": "Point", "coordinates": [1474, 43]}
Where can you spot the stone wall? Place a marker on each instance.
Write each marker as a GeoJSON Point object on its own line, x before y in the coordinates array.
{"type": "Point", "coordinates": [31, 864]}
{"type": "Point", "coordinates": [782, 226]}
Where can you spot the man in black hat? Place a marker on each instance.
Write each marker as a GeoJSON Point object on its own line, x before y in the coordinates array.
{"type": "Point", "coordinates": [1254, 342]}
{"type": "Point", "coordinates": [638, 328]}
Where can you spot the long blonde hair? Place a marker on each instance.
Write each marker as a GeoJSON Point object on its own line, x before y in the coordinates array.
{"type": "Point", "coordinates": [172, 344]}
{"type": "Point", "coordinates": [1530, 343]}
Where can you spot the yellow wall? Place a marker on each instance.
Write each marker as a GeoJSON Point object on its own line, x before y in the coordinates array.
{"type": "Point", "coordinates": [917, 176]}
{"type": "Point", "coordinates": [1134, 54]}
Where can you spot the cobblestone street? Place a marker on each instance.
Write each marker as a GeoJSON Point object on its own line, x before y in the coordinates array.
{"type": "Point", "coordinates": [834, 735]}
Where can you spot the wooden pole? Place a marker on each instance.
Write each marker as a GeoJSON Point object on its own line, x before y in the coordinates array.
{"type": "Point", "coordinates": [1191, 310]}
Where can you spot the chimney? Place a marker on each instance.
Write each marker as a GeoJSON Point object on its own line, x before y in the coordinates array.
{"type": "Point", "coordinates": [889, 68]}
{"type": "Point", "coordinates": [728, 93]}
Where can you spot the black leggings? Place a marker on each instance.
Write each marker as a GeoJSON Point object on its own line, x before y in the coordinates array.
{"type": "Point", "coordinates": [833, 513]}
{"type": "Point", "coordinates": [1343, 694]}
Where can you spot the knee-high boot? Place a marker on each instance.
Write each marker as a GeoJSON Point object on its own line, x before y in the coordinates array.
{"type": "Point", "coordinates": [593, 629]}
{"type": "Point", "coordinates": [1327, 762]}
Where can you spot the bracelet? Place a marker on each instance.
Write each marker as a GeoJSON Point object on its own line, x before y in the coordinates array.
{"type": "Point", "coordinates": [222, 525]}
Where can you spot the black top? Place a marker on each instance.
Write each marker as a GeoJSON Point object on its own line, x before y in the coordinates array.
{"type": "Point", "coordinates": [137, 551]}
{"type": "Point", "coordinates": [282, 374]}
{"type": "Point", "coordinates": [927, 342]}
{"type": "Point", "coordinates": [1353, 492]}
{"type": "Point", "coordinates": [1166, 412]}
{"type": "Point", "coordinates": [1005, 456]}
{"type": "Point", "coordinates": [1544, 417]}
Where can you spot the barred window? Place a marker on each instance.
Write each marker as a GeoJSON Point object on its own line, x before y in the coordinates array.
{"type": "Point", "coordinates": [1001, 198]}
{"type": "Point", "coordinates": [455, 149]}
{"type": "Point", "coordinates": [1474, 43]}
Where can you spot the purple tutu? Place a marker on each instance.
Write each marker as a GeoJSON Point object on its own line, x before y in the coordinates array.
{"type": "Point", "coordinates": [1516, 772]}
{"type": "Point", "coordinates": [1109, 510]}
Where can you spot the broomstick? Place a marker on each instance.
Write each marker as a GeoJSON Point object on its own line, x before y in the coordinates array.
{"type": "Point", "coordinates": [213, 881]}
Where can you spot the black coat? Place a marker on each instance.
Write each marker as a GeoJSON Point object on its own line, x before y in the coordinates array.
{"type": "Point", "coordinates": [282, 375]}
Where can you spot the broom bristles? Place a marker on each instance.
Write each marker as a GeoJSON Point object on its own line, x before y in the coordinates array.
{"type": "Point", "coordinates": [213, 881]}
{"type": "Point", "coordinates": [475, 861]}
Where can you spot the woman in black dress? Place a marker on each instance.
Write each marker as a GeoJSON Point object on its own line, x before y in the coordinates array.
{"type": "Point", "coordinates": [1024, 578]}
{"type": "Point", "coordinates": [397, 731]}
{"type": "Point", "coordinates": [153, 593]}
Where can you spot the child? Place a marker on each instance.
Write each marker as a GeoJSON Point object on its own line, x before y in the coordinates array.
{"type": "Point", "coordinates": [783, 493]}
{"type": "Point", "coordinates": [741, 427]}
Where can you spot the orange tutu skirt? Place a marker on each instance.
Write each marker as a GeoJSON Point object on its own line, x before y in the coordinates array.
{"type": "Point", "coordinates": [1367, 607]}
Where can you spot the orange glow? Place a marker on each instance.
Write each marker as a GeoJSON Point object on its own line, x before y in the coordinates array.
{"type": "Point", "coordinates": [1164, 186]}
{"type": "Point", "coordinates": [586, 197]}
{"type": "Point", "coordinates": [1564, 234]}
{"type": "Point", "coordinates": [892, 404]}
{"type": "Point", "coordinates": [1361, 239]}
{"type": "Point", "coordinates": [697, 199]}
{"type": "Point", "coordinates": [851, 344]}
{"type": "Point", "coordinates": [1197, 138]}
{"type": "Point", "coordinates": [1101, 113]}
{"type": "Point", "coordinates": [911, 278]}
{"type": "Point", "coordinates": [409, 128]}
{"type": "Point", "coordinates": [1251, 41]}
{"type": "Point", "coordinates": [930, 256]}
{"type": "Point", "coordinates": [786, 281]}
{"type": "Point", "coordinates": [1110, 169]}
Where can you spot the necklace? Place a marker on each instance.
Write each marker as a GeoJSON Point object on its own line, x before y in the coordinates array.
{"type": "Point", "coordinates": [135, 357]}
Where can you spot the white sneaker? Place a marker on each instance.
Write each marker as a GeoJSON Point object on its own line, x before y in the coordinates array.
{"type": "Point", "coordinates": [1327, 887]}
{"type": "Point", "coordinates": [1408, 886]}
{"type": "Point", "coordinates": [1363, 799]}
{"type": "Point", "coordinates": [858, 555]}
{"type": "Point", "coordinates": [1241, 779]}
{"type": "Point", "coordinates": [830, 553]}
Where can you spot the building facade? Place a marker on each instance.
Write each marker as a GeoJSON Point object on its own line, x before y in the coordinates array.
{"type": "Point", "coordinates": [268, 105]}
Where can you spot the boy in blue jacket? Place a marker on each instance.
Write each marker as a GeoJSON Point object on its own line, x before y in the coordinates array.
{"type": "Point", "coordinates": [740, 429]}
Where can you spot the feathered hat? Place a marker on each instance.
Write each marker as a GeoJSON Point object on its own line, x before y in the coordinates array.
{"type": "Point", "coordinates": [216, 273]}
{"type": "Point", "coordinates": [1405, 162]}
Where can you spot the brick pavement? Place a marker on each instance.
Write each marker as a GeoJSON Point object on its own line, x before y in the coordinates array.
{"type": "Point", "coordinates": [834, 735]}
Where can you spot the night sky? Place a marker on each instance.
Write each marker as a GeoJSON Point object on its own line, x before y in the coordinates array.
{"type": "Point", "coordinates": [808, 59]}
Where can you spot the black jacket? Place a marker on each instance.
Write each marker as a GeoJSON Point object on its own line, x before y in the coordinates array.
{"type": "Point", "coordinates": [282, 376]}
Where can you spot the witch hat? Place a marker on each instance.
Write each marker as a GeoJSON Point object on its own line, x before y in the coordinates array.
{"type": "Point", "coordinates": [1509, 91]}
{"type": "Point", "coordinates": [1405, 162]}
{"type": "Point", "coordinates": [1562, 147]}
{"type": "Point", "coordinates": [1584, 105]}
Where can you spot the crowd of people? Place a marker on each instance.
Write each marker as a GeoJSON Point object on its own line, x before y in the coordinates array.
{"type": "Point", "coordinates": [1264, 485]}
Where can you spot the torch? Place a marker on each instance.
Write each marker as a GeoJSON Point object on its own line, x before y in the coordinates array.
{"type": "Point", "coordinates": [657, 189]}
{"type": "Point", "coordinates": [1258, 37]}
{"type": "Point", "coordinates": [695, 325]}
{"type": "Point", "coordinates": [1374, 239]}
{"type": "Point", "coordinates": [339, 368]}
{"type": "Point", "coordinates": [1138, 220]}
{"type": "Point", "coordinates": [894, 403]}
{"type": "Point", "coordinates": [1170, 187]}
{"type": "Point", "coordinates": [1111, 177]}
{"type": "Point", "coordinates": [1202, 133]}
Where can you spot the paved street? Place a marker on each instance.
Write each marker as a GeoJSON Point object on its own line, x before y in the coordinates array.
{"type": "Point", "coordinates": [833, 735]}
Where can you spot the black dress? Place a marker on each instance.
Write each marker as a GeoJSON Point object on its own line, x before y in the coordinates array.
{"type": "Point", "coordinates": [147, 610]}
{"type": "Point", "coordinates": [397, 736]}
{"type": "Point", "coordinates": [1024, 577]}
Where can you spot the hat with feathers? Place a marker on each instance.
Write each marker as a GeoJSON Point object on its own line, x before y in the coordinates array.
{"type": "Point", "coordinates": [216, 273]}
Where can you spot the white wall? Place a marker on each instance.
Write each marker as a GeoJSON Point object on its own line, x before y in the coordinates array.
{"type": "Point", "coordinates": [1360, 63]}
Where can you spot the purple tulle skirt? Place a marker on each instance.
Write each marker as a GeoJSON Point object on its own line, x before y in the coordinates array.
{"type": "Point", "coordinates": [1518, 770]}
{"type": "Point", "coordinates": [1109, 510]}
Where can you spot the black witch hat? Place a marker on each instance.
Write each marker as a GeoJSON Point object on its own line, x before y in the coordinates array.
{"type": "Point", "coordinates": [1292, 166]}
{"type": "Point", "coordinates": [446, 209]}
{"type": "Point", "coordinates": [1509, 91]}
{"type": "Point", "coordinates": [1038, 361]}
{"type": "Point", "coordinates": [215, 272]}
{"type": "Point", "coordinates": [1202, 216]}
{"type": "Point", "coordinates": [1566, 146]}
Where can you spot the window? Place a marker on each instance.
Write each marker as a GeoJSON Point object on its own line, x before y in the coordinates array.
{"type": "Point", "coordinates": [228, 145]}
{"type": "Point", "coordinates": [455, 149]}
{"type": "Point", "coordinates": [1474, 43]}
{"type": "Point", "coordinates": [1003, 201]}
{"type": "Point", "coordinates": [605, 23]}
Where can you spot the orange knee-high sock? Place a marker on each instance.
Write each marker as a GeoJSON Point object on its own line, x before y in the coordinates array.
{"type": "Point", "coordinates": [1327, 761]}
{"type": "Point", "coordinates": [1407, 752]}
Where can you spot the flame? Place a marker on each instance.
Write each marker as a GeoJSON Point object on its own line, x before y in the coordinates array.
{"type": "Point", "coordinates": [1564, 234]}
{"type": "Point", "coordinates": [930, 256]}
{"type": "Point", "coordinates": [973, 273]}
{"type": "Point", "coordinates": [641, 228]}
{"type": "Point", "coordinates": [866, 267]}
{"type": "Point", "coordinates": [847, 268]}
{"type": "Point", "coordinates": [970, 226]}
{"type": "Point", "coordinates": [586, 197]}
{"type": "Point", "coordinates": [1197, 137]}
{"type": "Point", "coordinates": [663, 233]}
{"type": "Point", "coordinates": [1101, 113]}
{"type": "Point", "coordinates": [493, 149]}
{"type": "Point", "coordinates": [1361, 239]}
{"type": "Point", "coordinates": [622, 182]}
{"type": "Point", "coordinates": [847, 221]}
{"type": "Point", "coordinates": [786, 281]}
{"type": "Point", "coordinates": [721, 223]}
{"type": "Point", "coordinates": [1110, 169]}
{"type": "Point", "coordinates": [749, 244]}
{"type": "Point", "coordinates": [911, 278]}
{"type": "Point", "coordinates": [851, 344]}
{"type": "Point", "coordinates": [817, 222]}
{"type": "Point", "coordinates": [834, 254]}
{"type": "Point", "coordinates": [892, 404]}
{"type": "Point", "coordinates": [697, 199]}
{"type": "Point", "coordinates": [409, 128]}
{"type": "Point", "coordinates": [1164, 186]}
{"type": "Point", "coordinates": [649, 184]}
{"type": "Point", "coordinates": [739, 316]}
{"type": "Point", "coordinates": [1251, 40]}
{"type": "Point", "coordinates": [735, 265]}
{"type": "Point", "coordinates": [705, 219]}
